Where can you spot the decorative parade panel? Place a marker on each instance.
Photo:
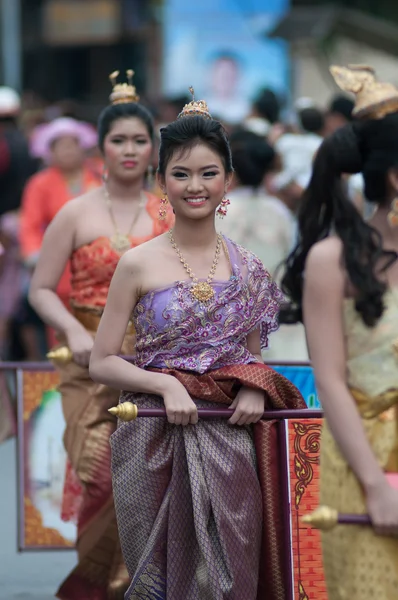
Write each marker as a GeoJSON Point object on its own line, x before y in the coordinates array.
{"type": "Point", "coordinates": [42, 463]}
{"type": "Point", "coordinates": [304, 448]}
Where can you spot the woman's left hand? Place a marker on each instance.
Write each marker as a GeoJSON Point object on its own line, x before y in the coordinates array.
{"type": "Point", "coordinates": [248, 405]}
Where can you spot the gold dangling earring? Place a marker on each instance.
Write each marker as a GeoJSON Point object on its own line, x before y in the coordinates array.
{"type": "Point", "coordinates": [163, 209]}
{"type": "Point", "coordinates": [104, 175]}
{"type": "Point", "coordinates": [149, 177]}
{"type": "Point", "coordinates": [393, 214]}
{"type": "Point", "coordinates": [223, 208]}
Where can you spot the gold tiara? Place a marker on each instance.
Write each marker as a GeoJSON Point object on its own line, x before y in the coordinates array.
{"type": "Point", "coordinates": [195, 108]}
{"type": "Point", "coordinates": [373, 99]}
{"type": "Point", "coordinates": [123, 92]}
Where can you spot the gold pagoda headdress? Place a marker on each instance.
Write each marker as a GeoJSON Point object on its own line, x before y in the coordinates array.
{"type": "Point", "coordinates": [123, 92]}
{"type": "Point", "coordinates": [373, 99]}
{"type": "Point", "coordinates": [195, 108]}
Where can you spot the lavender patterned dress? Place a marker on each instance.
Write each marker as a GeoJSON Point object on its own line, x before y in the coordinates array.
{"type": "Point", "coordinates": [188, 499]}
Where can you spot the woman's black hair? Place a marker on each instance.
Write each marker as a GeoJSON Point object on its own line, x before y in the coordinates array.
{"type": "Point", "coordinates": [114, 112]}
{"type": "Point", "coordinates": [252, 157]}
{"type": "Point", "coordinates": [189, 131]}
{"type": "Point", "coordinates": [370, 147]}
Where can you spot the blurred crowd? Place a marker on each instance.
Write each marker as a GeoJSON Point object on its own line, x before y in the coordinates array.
{"type": "Point", "coordinates": [48, 155]}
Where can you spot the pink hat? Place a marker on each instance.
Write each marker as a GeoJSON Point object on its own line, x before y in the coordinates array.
{"type": "Point", "coordinates": [44, 135]}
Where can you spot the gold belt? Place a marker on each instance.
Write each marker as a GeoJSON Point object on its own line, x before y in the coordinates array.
{"type": "Point", "coordinates": [90, 319]}
{"type": "Point", "coordinates": [382, 406]}
{"type": "Point", "coordinates": [383, 410]}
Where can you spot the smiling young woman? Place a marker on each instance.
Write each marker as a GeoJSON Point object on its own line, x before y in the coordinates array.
{"type": "Point", "coordinates": [188, 497]}
{"type": "Point", "coordinates": [92, 232]}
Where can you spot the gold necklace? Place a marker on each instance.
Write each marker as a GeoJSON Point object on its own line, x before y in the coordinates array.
{"type": "Point", "coordinates": [201, 290]}
{"type": "Point", "coordinates": [121, 241]}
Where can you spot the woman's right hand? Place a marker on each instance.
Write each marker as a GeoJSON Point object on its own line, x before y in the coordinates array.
{"type": "Point", "coordinates": [80, 344]}
{"type": "Point", "coordinates": [180, 408]}
{"type": "Point", "coordinates": [382, 504]}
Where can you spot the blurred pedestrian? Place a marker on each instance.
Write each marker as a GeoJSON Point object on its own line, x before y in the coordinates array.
{"type": "Point", "coordinates": [61, 144]}
{"type": "Point", "coordinates": [16, 166]}
{"type": "Point", "coordinates": [255, 220]}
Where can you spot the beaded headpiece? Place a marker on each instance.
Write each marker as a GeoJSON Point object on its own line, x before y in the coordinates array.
{"type": "Point", "coordinates": [123, 92]}
{"type": "Point", "coordinates": [195, 108]}
{"type": "Point", "coordinates": [373, 99]}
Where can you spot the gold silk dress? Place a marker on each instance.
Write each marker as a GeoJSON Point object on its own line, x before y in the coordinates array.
{"type": "Point", "coordinates": [360, 565]}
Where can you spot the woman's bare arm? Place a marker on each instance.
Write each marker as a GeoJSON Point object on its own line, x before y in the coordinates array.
{"type": "Point", "coordinates": [54, 255]}
{"type": "Point", "coordinates": [249, 403]}
{"type": "Point", "coordinates": [254, 344]}
{"type": "Point", "coordinates": [323, 309]}
{"type": "Point", "coordinates": [105, 364]}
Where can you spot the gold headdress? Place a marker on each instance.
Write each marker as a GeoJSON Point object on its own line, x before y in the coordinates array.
{"type": "Point", "coordinates": [123, 92]}
{"type": "Point", "coordinates": [373, 99]}
{"type": "Point", "coordinates": [195, 108]}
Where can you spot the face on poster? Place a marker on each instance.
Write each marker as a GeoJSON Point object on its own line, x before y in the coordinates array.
{"type": "Point", "coordinates": [220, 49]}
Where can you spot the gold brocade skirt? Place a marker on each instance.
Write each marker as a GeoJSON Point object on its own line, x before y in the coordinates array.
{"type": "Point", "coordinates": [100, 573]}
{"type": "Point", "coordinates": [358, 564]}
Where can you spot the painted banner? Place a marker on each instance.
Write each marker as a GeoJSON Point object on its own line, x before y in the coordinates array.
{"type": "Point", "coordinates": [42, 465]}
{"type": "Point", "coordinates": [304, 447]}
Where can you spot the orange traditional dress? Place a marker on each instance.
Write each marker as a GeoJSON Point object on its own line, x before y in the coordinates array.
{"type": "Point", "coordinates": [45, 194]}
{"type": "Point", "coordinates": [100, 573]}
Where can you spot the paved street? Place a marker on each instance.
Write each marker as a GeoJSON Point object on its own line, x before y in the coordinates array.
{"type": "Point", "coordinates": [28, 575]}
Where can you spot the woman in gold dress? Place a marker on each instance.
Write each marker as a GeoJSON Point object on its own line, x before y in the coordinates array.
{"type": "Point", "coordinates": [93, 232]}
{"type": "Point", "coordinates": [344, 274]}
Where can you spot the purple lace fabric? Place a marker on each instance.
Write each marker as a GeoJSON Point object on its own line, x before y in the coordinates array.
{"type": "Point", "coordinates": [176, 331]}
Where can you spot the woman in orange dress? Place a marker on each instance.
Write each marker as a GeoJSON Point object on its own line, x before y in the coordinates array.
{"type": "Point", "coordinates": [93, 231]}
{"type": "Point", "coordinates": [68, 174]}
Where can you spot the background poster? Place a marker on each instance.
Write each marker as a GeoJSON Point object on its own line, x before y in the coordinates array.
{"type": "Point", "coordinates": [221, 49]}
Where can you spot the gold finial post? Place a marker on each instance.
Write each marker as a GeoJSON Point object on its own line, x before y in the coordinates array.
{"type": "Point", "coordinates": [324, 518]}
{"type": "Point", "coordinates": [130, 74]}
{"type": "Point", "coordinates": [61, 355]}
{"type": "Point", "coordinates": [126, 411]}
{"type": "Point", "coordinates": [192, 91]}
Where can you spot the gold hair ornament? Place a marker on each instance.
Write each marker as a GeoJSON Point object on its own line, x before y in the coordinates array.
{"type": "Point", "coordinates": [373, 99]}
{"type": "Point", "coordinates": [195, 108]}
{"type": "Point", "coordinates": [123, 92]}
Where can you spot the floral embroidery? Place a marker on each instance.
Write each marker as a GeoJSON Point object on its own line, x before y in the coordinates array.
{"type": "Point", "coordinates": [174, 330]}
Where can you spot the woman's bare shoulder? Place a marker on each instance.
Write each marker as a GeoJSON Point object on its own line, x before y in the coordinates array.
{"type": "Point", "coordinates": [75, 208]}
{"type": "Point", "coordinates": [326, 254]}
{"type": "Point", "coordinates": [144, 254]}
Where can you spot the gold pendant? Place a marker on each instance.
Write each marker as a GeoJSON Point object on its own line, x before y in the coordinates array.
{"type": "Point", "coordinates": [121, 243]}
{"type": "Point", "coordinates": [202, 291]}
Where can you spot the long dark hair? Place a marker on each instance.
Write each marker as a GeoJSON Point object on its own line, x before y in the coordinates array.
{"type": "Point", "coordinates": [370, 147]}
{"type": "Point", "coordinates": [187, 132]}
